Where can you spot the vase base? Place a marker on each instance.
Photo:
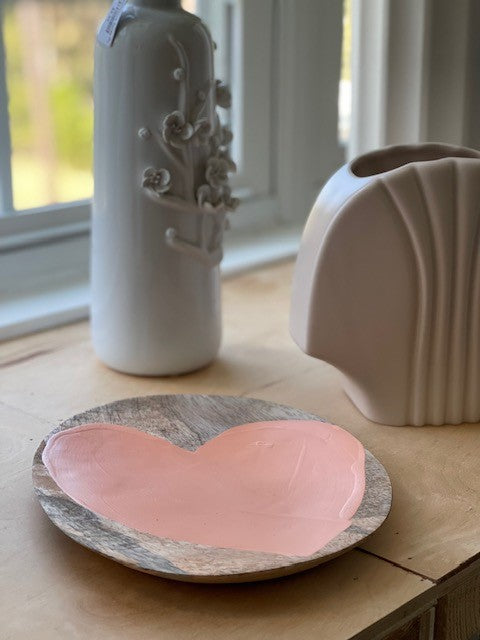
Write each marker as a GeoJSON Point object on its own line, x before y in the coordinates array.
{"type": "Point", "coordinates": [160, 372]}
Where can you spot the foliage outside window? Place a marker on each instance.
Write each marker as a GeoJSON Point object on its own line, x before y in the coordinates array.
{"type": "Point", "coordinates": [49, 61]}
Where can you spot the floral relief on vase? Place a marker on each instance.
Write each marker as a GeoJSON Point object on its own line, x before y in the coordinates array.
{"type": "Point", "coordinates": [181, 131]}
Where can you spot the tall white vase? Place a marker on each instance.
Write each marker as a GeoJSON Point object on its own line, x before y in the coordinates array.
{"type": "Point", "coordinates": [161, 193]}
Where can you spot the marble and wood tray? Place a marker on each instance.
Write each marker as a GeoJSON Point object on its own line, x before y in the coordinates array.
{"type": "Point", "coordinates": [189, 421]}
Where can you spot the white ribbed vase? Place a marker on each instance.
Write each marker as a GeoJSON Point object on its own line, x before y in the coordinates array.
{"type": "Point", "coordinates": [157, 220]}
{"type": "Point", "coordinates": [387, 283]}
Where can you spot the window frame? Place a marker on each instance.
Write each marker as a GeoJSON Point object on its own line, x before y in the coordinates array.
{"type": "Point", "coordinates": [46, 250]}
{"type": "Point", "coordinates": [6, 196]}
{"type": "Point", "coordinates": [414, 73]}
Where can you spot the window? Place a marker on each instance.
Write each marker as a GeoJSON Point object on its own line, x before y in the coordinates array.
{"type": "Point", "coordinates": [414, 73]}
{"type": "Point", "coordinates": [282, 59]}
{"type": "Point", "coordinates": [51, 118]}
{"type": "Point", "coordinates": [50, 111]}
{"type": "Point", "coordinates": [345, 86]}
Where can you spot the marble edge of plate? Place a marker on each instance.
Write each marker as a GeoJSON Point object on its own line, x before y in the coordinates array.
{"type": "Point", "coordinates": [168, 416]}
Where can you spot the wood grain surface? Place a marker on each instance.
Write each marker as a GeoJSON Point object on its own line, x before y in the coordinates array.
{"type": "Point", "coordinates": [458, 612]}
{"type": "Point", "coordinates": [188, 421]}
{"type": "Point", "coordinates": [52, 588]}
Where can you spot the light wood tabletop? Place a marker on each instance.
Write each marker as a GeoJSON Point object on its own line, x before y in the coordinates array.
{"type": "Point", "coordinates": [418, 577]}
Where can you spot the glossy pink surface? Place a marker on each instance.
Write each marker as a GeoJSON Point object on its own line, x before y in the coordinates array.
{"type": "Point", "coordinates": [285, 487]}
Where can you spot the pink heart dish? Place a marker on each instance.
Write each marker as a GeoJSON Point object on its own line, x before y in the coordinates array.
{"type": "Point", "coordinates": [204, 488]}
{"type": "Point", "coordinates": [285, 487]}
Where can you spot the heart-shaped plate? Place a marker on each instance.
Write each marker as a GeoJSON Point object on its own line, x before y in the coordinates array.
{"type": "Point", "coordinates": [283, 514]}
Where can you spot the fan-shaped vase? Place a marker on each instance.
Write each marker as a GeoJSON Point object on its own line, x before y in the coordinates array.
{"type": "Point", "coordinates": [387, 283]}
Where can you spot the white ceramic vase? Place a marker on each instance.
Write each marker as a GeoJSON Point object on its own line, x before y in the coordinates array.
{"type": "Point", "coordinates": [161, 193]}
{"type": "Point", "coordinates": [387, 283]}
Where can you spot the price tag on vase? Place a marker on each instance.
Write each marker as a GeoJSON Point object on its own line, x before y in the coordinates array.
{"type": "Point", "coordinates": [108, 29]}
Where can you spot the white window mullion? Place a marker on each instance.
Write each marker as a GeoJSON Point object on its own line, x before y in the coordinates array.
{"type": "Point", "coordinates": [6, 196]}
{"type": "Point", "coordinates": [370, 20]}
{"type": "Point", "coordinates": [243, 32]}
{"type": "Point", "coordinates": [252, 39]}
{"type": "Point", "coordinates": [392, 59]}
{"type": "Point", "coordinates": [307, 151]}
{"type": "Point", "coordinates": [453, 73]}
{"type": "Point", "coordinates": [415, 72]}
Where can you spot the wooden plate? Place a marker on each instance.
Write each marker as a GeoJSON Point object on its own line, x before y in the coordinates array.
{"type": "Point", "coordinates": [188, 421]}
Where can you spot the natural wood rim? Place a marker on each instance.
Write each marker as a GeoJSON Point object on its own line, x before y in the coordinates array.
{"type": "Point", "coordinates": [149, 554]}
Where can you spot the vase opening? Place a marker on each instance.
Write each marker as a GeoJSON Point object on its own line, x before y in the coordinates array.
{"type": "Point", "coordinates": [390, 158]}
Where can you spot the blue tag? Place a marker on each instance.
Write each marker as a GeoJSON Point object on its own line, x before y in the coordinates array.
{"type": "Point", "coordinates": [107, 31]}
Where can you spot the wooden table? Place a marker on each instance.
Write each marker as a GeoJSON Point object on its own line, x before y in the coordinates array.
{"type": "Point", "coordinates": [418, 577]}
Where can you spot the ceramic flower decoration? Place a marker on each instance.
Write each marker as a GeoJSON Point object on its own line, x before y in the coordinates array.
{"type": "Point", "coordinates": [225, 137]}
{"type": "Point", "coordinates": [223, 95]}
{"type": "Point", "coordinates": [176, 130]}
{"type": "Point", "coordinates": [158, 180]}
{"type": "Point", "coordinates": [209, 197]}
{"type": "Point", "coordinates": [203, 132]}
{"type": "Point", "coordinates": [190, 184]}
{"type": "Point", "coordinates": [229, 202]}
{"type": "Point", "coordinates": [217, 172]}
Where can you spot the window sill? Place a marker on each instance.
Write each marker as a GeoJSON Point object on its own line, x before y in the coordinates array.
{"type": "Point", "coordinates": [50, 306]}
